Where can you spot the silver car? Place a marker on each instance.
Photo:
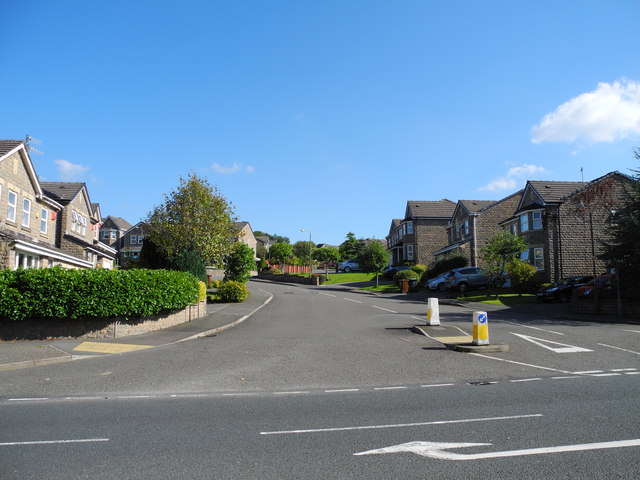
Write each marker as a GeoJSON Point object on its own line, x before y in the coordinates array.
{"type": "Point", "coordinates": [348, 266]}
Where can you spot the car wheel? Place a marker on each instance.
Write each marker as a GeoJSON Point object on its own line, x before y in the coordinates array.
{"type": "Point", "coordinates": [347, 269]}
{"type": "Point", "coordinates": [463, 288]}
{"type": "Point", "coordinates": [441, 287]}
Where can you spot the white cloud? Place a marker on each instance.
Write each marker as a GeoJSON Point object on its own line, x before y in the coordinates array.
{"type": "Point", "coordinates": [235, 168]}
{"type": "Point", "coordinates": [611, 112]}
{"type": "Point", "coordinates": [69, 172]}
{"type": "Point", "coordinates": [513, 176]}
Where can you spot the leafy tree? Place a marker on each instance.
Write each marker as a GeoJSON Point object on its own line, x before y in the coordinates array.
{"type": "Point", "coordinates": [373, 258]}
{"type": "Point", "coordinates": [326, 255]}
{"type": "Point", "coordinates": [303, 250]}
{"type": "Point", "coordinates": [350, 248]}
{"type": "Point", "coordinates": [185, 260]}
{"type": "Point", "coordinates": [520, 272]}
{"type": "Point", "coordinates": [501, 249]}
{"type": "Point", "coordinates": [622, 250]}
{"type": "Point", "coordinates": [280, 252]}
{"type": "Point", "coordinates": [239, 263]}
{"type": "Point", "coordinates": [194, 217]}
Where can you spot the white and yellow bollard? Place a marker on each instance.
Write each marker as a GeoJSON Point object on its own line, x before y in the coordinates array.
{"type": "Point", "coordinates": [433, 312]}
{"type": "Point", "coordinates": [480, 328]}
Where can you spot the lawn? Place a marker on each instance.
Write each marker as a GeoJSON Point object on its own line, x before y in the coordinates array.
{"type": "Point", "coordinates": [383, 288]}
{"type": "Point", "coordinates": [350, 278]}
{"type": "Point", "coordinates": [505, 299]}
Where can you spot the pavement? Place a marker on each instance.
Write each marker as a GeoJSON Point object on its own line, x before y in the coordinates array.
{"type": "Point", "coordinates": [219, 317]}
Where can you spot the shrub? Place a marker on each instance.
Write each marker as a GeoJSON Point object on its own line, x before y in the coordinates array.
{"type": "Point", "coordinates": [406, 275]}
{"type": "Point", "coordinates": [59, 293]}
{"type": "Point", "coordinates": [202, 291]}
{"type": "Point", "coordinates": [233, 292]}
{"type": "Point", "coordinates": [214, 284]}
{"type": "Point", "coordinates": [239, 263]}
{"type": "Point", "coordinates": [419, 269]}
{"type": "Point", "coordinates": [276, 271]}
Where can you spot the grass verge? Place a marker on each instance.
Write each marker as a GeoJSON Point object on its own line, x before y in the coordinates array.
{"type": "Point", "coordinates": [505, 299]}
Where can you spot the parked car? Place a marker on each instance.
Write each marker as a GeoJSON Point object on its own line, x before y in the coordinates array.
{"type": "Point", "coordinates": [561, 291]}
{"type": "Point", "coordinates": [348, 266]}
{"type": "Point", "coordinates": [599, 283]}
{"type": "Point", "coordinates": [389, 272]}
{"type": "Point", "coordinates": [466, 278]}
{"type": "Point", "coordinates": [438, 283]}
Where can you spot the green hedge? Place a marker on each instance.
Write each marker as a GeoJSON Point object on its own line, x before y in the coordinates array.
{"type": "Point", "coordinates": [232, 292]}
{"type": "Point", "coordinates": [59, 293]}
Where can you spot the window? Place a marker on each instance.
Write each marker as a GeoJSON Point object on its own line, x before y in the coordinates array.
{"type": "Point", "coordinates": [114, 235]}
{"type": "Point", "coordinates": [538, 258]}
{"type": "Point", "coordinates": [26, 212]}
{"type": "Point", "coordinates": [24, 260]}
{"type": "Point", "coordinates": [12, 202]}
{"type": "Point", "coordinates": [409, 252]}
{"type": "Point", "coordinates": [105, 235]}
{"type": "Point", "coordinates": [466, 227]}
{"type": "Point", "coordinates": [410, 227]}
{"type": "Point", "coordinates": [83, 224]}
{"type": "Point", "coordinates": [140, 239]}
{"type": "Point", "coordinates": [44, 216]}
{"type": "Point", "coordinates": [134, 240]}
{"type": "Point", "coordinates": [524, 256]}
{"type": "Point", "coordinates": [524, 222]}
{"type": "Point", "coordinates": [74, 221]}
{"type": "Point", "coordinates": [536, 222]}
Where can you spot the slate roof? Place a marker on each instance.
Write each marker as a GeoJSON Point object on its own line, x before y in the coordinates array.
{"type": "Point", "coordinates": [430, 209]}
{"type": "Point", "coordinates": [474, 206]}
{"type": "Point", "coordinates": [62, 192]}
{"type": "Point", "coordinates": [119, 222]}
{"type": "Point", "coordinates": [7, 145]}
{"type": "Point", "coordinates": [554, 192]}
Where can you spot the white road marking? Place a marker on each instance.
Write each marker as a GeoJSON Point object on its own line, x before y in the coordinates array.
{"type": "Point", "coordinates": [385, 309]}
{"type": "Point", "coordinates": [588, 372]}
{"type": "Point", "coordinates": [401, 425]}
{"type": "Point", "coordinates": [248, 394]}
{"type": "Point", "coordinates": [632, 369]}
{"type": "Point", "coordinates": [564, 348]}
{"type": "Point", "coordinates": [529, 326]}
{"type": "Point", "coordinates": [607, 374]}
{"type": "Point", "coordinates": [618, 348]}
{"type": "Point", "coordinates": [565, 378]}
{"type": "Point", "coordinates": [352, 300]}
{"type": "Point", "coordinates": [632, 331]}
{"type": "Point", "coordinates": [342, 390]}
{"type": "Point", "coordinates": [389, 388]}
{"type": "Point", "coordinates": [49, 442]}
{"type": "Point", "coordinates": [526, 380]}
{"type": "Point", "coordinates": [438, 450]}
{"type": "Point", "coordinates": [519, 363]}
{"type": "Point", "coordinates": [133, 397]}
{"type": "Point", "coordinates": [438, 385]}
{"type": "Point", "coordinates": [632, 373]}
{"type": "Point", "coordinates": [26, 399]}
{"type": "Point", "coordinates": [291, 393]}
{"type": "Point", "coordinates": [327, 294]}
{"type": "Point", "coordinates": [420, 318]}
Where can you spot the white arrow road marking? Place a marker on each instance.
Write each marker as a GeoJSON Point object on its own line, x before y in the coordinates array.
{"type": "Point", "coordinates": [564, 348]}
{"type": "Point", "coordinates": [438, 450]}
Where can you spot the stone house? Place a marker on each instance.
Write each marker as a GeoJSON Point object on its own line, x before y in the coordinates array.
{"type": "Point", "coordinates": [245, 235]}
{"type": "Point", "coordinates": [564, 223]}
{"type": "Point", "coordinates": [112, 230]}
{"type": "Point", "coordinates": [78, 225]}
{"type": "Point", "coordinates": [32, 220]}
{"type": "Point", "coordinates": [473, 223]}
{"type": "Point", "coordinates": [421, 233]}
{"type": "Point", "coordinates": [131, 243]}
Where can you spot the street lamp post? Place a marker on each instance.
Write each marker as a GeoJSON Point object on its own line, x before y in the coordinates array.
{"type": "Point", "coordinates": [303, 230]}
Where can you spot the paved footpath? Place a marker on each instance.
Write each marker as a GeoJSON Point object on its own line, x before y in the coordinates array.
{"type": "Point", "coordinates": [219, 317]}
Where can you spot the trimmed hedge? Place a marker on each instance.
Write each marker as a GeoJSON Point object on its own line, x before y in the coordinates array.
{"type": "Point", "coordinates": [232, 292]}
{"type": "Point", "coordinates": [58, 293]}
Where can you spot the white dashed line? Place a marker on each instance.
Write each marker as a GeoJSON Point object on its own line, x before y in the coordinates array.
{"type": "Point", "coordinates": [564, 378]}
{"type": "Point", "coordinates": [632, 331]}
{"type": "Point", "coordinates": [438, 385]}
{"type": "Point", "coordinates": [607, 374]}
{"type": "Point", "coordinates": [385, 309]}
{"type": "Point", "coordinates": [327, 294]}
{"type": "Point", "coordinates": [624, 369]}
{"type": "Point", "coordinates": [390, 388]}
{"type": "Point", "coordinates": [291, 393]}
{"type": "Point", "coordinates": [588, 372]}
{"type": "Point", "coordinates": [49, 442]}
{"type": "Point", "coordinates": [342, 390]}
{"type": "Point", "coordinates": [26, 399]}
{"type": "Point", "coordinates": [618, 348]}
{"type": "Point", "coordinates": [526, 380]}
{"type": "Point", "coordinates": [352, 300]}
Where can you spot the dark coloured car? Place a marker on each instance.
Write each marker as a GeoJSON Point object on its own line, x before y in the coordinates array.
{"type": "Point", "coordinates": [601, 283]}
{"type": "Point", "coordinates": [561, 291]}
{"type": "Point", "coordinates": [466, 278]}
{"type": "Point", "coordinates": [391, 271]}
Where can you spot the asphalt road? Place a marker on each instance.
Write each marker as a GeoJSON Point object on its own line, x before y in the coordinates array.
{"type": "Point", "coordinates": [320, 375]}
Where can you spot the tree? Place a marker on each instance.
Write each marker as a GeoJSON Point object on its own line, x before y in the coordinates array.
{"type": "Point", "coordinates": [622, 249]}
{"type": "Point", "coordinates": [501, 249]}
{"type": "Point", "coordinates": [303, 250]}
{"type": "Point", "coordinates": [326, 255]}
{"type": "Point", "coordinates": [373, 258]}
{"type": "Point", "coordinates": [194, 217]}
{"type": "Point", "coordinates": [520, 272]}
{"type": "Point", "coordinates": [350, 248]}
{"type": "Point", "coordinates": [239, 263]}
{"type": "Point", "coordinates": [280, 252]}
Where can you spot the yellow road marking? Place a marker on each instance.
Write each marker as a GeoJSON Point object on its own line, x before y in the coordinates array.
{"type": "Point", "coordinates": [464, 339]}
{"type": "Point", "coordinates": [98, 347]}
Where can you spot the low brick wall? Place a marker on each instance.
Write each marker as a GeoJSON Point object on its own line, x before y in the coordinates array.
{"type": "Point", "coordinates": [608, 308]}
{"type": "Point", "coordinates": [41, 329]}
{"type": "Point", "coordinates": [283, 277]}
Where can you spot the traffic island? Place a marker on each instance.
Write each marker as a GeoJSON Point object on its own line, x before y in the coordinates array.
{"type": "Point", "coordinates": [458, 340]}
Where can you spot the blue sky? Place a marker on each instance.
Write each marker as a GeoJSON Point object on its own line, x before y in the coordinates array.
{"type": "Point", "coordinates": [326, 116]}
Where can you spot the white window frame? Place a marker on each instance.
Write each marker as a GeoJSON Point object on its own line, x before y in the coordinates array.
{"type": "Point", "coordinates": [12, 207]}
{"type": "Point", "coordinates": [44, 220]}
{"type": "Point", "coordinates": [133, 240]}
{"type": "Point", "coordinates": [536, 223]}
{"type": "Point", "coordinates": [465, 227]}
{"type": "Point", "coordinates": [538, 258]}
{"type": "Point", "coordinates": [113, 235]}
{"type": "Point", "coordinates": [105, 235]}
{"type": "Point", "coordinates": [74, 220]}
{"type": "Point", "coordinates": [524, 222]}
{"type": "Point", "coordinates": [409, 252]}
{"type": "Point", "coordinates": [140, 239]}
{"type": "Point", "coordinates": [25, 260]}
{"type": "Point", "coordinates": [409, 228]}
{"type": "Point", "coordinates": [26, 212]}
{"type": "Point", "coordinates": [83, 224]}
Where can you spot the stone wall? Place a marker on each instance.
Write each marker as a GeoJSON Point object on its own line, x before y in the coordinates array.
{"type": "Point", "coordinates": [39, 329]}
